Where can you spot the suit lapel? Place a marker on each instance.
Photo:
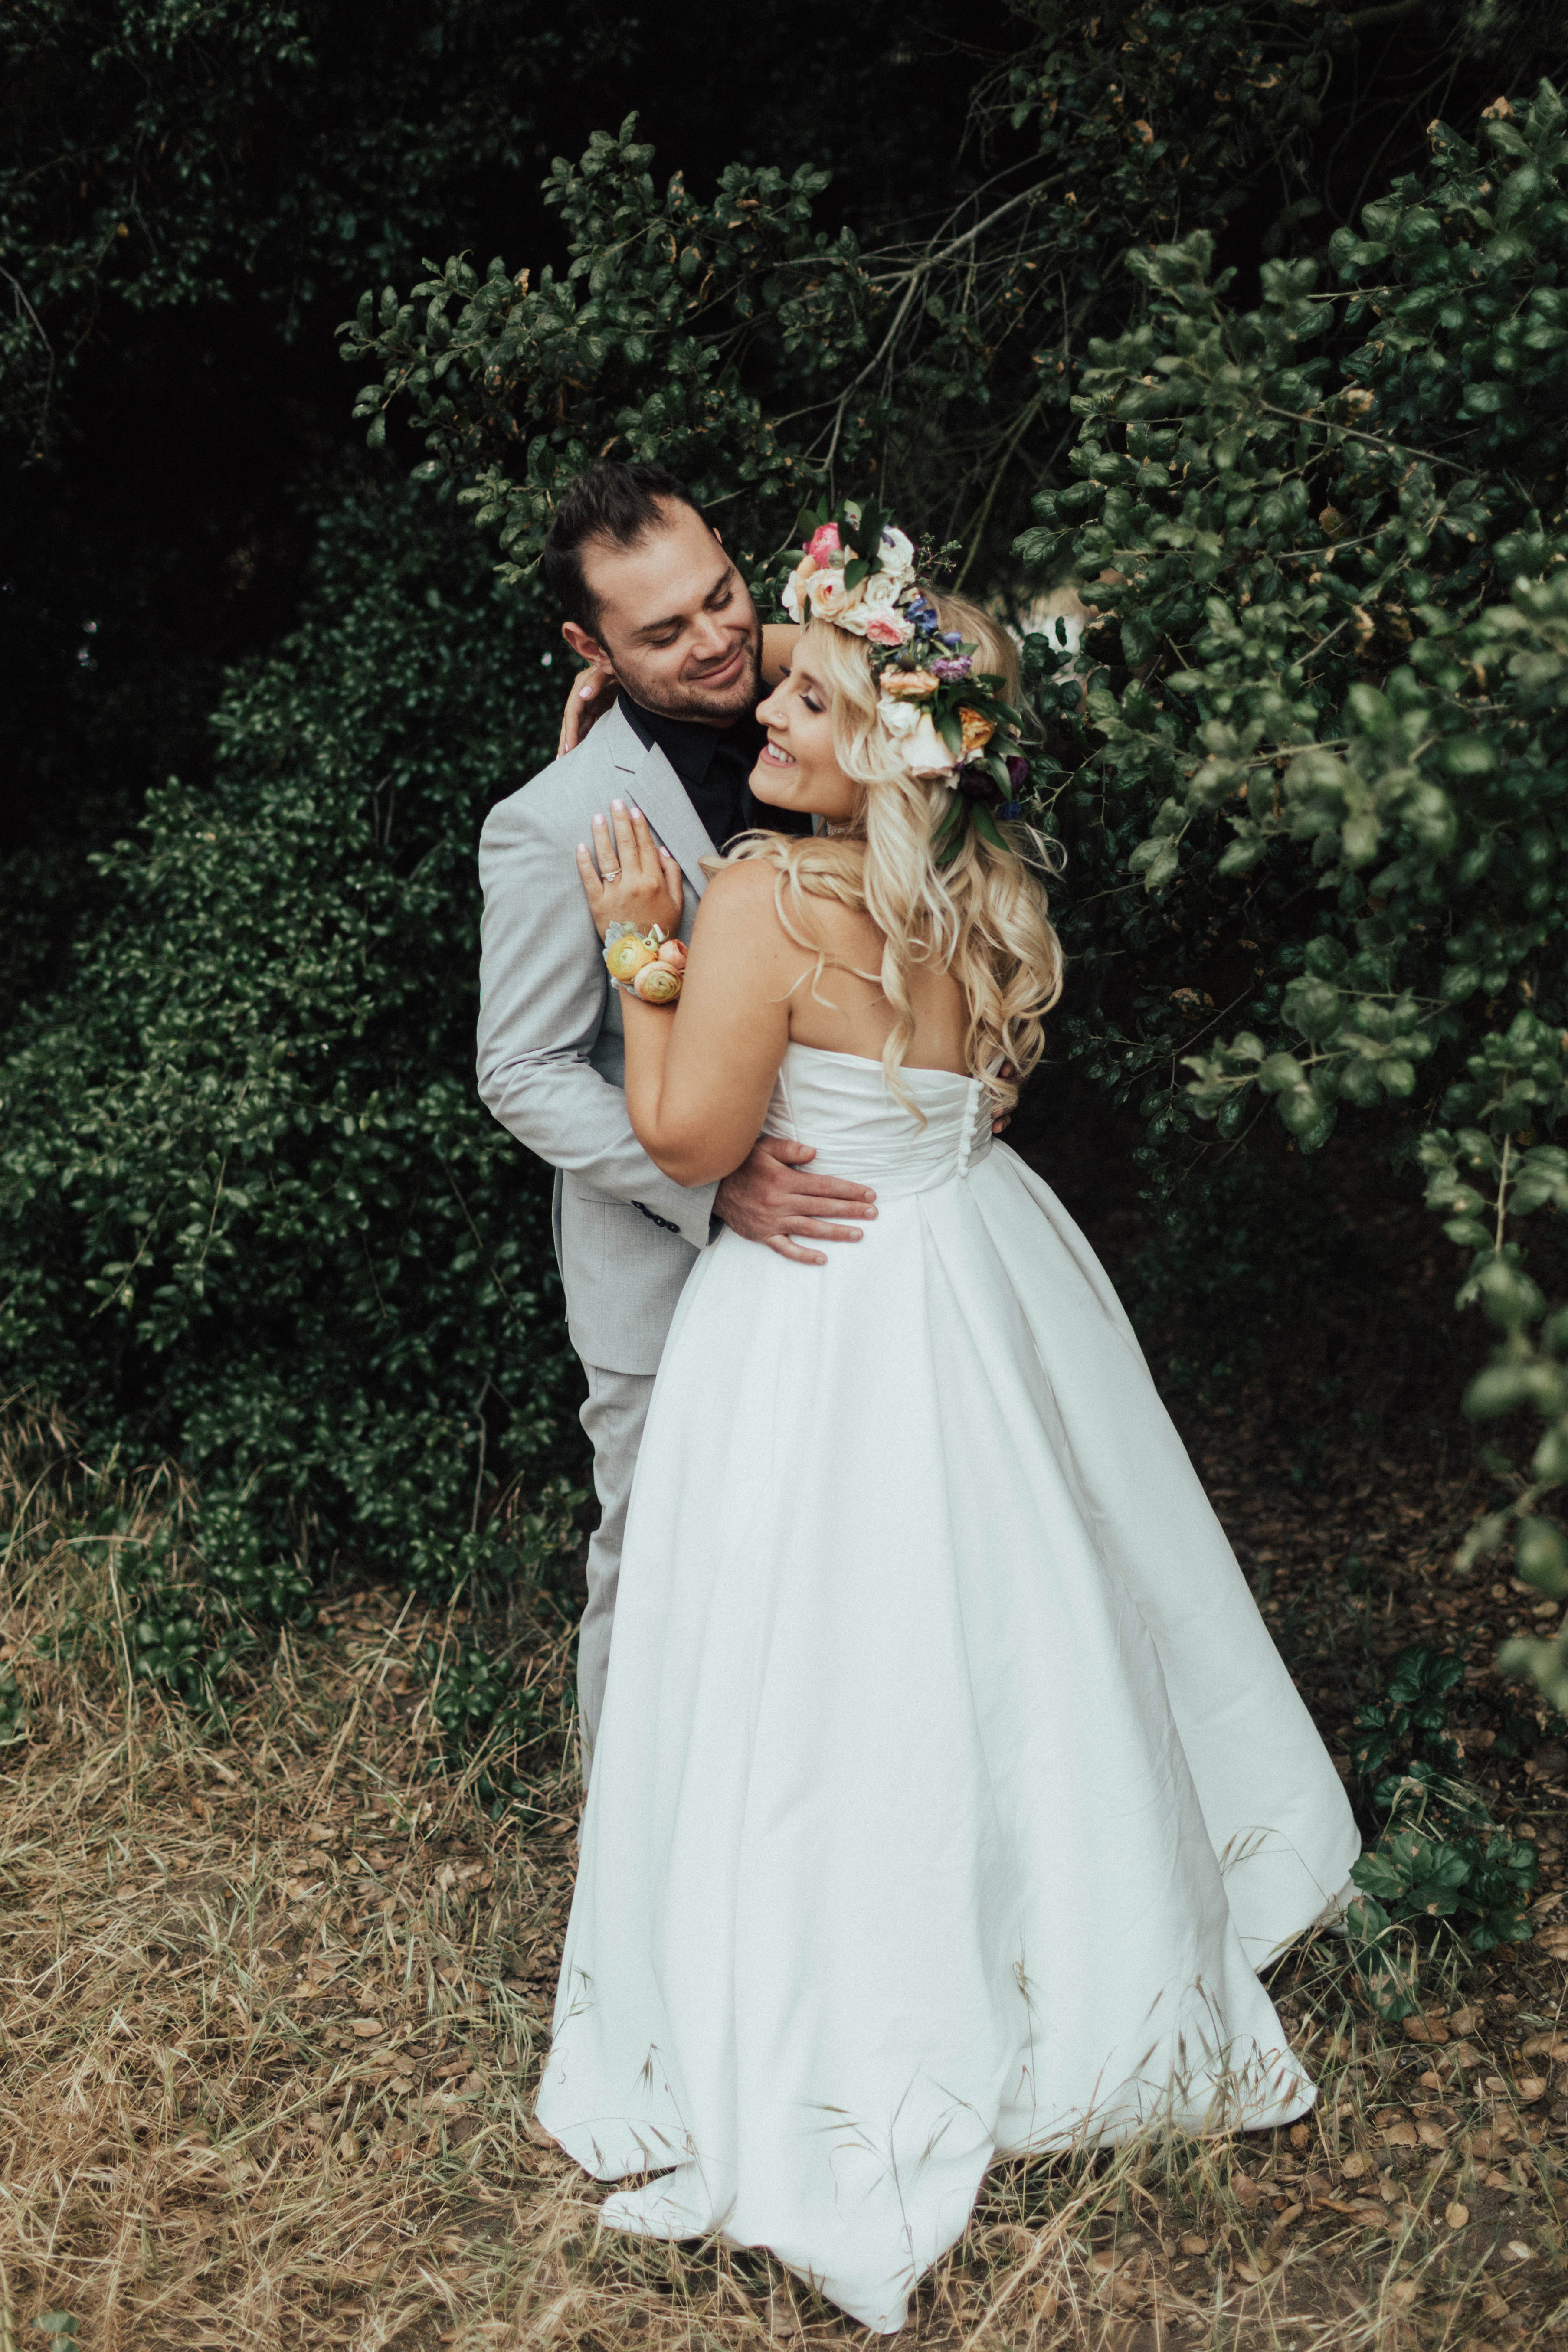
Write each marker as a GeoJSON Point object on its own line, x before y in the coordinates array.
{"type": "Point", "coordinates": [662, 798]}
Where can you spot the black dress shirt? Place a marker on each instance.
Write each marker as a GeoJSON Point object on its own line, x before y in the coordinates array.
{"type": "Point", "coordinates": [714, 764]}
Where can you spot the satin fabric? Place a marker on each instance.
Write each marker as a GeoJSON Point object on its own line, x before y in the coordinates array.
{"type": "Point", "coordinates": [950, 1790]}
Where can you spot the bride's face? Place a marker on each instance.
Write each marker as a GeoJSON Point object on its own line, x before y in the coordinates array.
{"type": "Point", "coordinates": [799, 769]}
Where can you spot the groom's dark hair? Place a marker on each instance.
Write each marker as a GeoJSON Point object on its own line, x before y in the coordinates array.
{"type": "Point", "coordinates": [613, 501]}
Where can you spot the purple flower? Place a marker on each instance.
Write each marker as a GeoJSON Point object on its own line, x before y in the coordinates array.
{"type": "Point", "coordinates": [951, 638]}
{"type": "Point", "coordinates": [975, 784]}
{"type": "Point", "coordinates": [1018, 771]}
{"type": "Point", "coordinates": [949, 669]}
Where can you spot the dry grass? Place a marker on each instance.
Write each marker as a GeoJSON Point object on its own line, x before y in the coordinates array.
{"type": "Point", "coordinates": [274, 2000]}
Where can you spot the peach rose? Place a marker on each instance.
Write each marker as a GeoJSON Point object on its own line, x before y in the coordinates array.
{"type": "Point", "coordinates": [916, 683]}
{"type": "Point", "coordinates": [828, 597]}
{"type": "Point", "coordinates": [794, 587]}
{"type": "Point", "coordinates": [657, 983]}
{"type": "Point", "coordinates": [977, 732]}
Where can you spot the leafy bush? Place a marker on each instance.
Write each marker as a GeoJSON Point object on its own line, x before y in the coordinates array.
{"type": "Point", "coordinates": [490, 1714]}
{"type": "Point", "coordinates": [251, 1209]}
{"type": "Point", "coordinates": [1324, 722]}
{"type": "Point", "coordinates": [758, 354]}
{"type": "Point", "coordinates": [1438, 1854]}
{"type": "Point", "coordinates": [1406, 1728]}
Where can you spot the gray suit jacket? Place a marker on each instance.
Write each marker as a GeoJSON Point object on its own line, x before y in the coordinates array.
{"type": "Point", "coordinates": [551, 1046]}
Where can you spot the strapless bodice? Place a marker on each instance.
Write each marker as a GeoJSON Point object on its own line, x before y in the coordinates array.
{"type": "Point", "coordinates": [842, 1105]}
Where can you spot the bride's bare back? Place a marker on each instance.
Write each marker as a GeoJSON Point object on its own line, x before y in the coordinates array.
{"type": "Point", "coordinates": [844, 1013]}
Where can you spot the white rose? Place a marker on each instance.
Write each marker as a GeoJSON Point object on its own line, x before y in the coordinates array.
{"type": "Point", "coordinates": [876, 598]}
{"type": "Point", "coordinates": [897, 718]}
{"type": "Point", "coordinates": [897, 555]}
{"type": "Point", "coordinates": [924, 752]}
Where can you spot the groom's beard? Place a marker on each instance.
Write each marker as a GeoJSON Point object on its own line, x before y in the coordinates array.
{"type": "Point", "coordinates": [690, 698]}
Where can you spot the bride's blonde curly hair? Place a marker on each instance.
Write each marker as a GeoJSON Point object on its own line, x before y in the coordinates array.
{"type": "Point", "coordinates": [982, 918]}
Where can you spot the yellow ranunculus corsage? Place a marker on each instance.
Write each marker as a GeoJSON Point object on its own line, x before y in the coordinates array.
{"type": "Point", "coordinates": [646, 963]}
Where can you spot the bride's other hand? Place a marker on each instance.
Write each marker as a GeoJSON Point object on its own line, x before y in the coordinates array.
{"type": "Point", "coordinates": [591, 694]}
{"type": "Point", "coordinates": [627, 875]}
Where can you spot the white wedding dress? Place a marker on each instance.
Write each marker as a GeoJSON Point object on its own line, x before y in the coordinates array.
{"type": "Point", "coordinates": [949, 1790]}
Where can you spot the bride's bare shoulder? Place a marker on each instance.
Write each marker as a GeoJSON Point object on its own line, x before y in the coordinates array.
{"type": "Point", "coordinates": [741, 905]}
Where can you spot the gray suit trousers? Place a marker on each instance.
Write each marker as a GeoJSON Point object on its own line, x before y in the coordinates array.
{"type": "Point", "coordinates": [612, 1417]}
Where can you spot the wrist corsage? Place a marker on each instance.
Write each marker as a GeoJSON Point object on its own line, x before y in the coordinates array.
{"type": "Point", "coordinates": [646, 963]}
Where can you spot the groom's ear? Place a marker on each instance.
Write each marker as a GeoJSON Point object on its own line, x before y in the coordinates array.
{"type": "Point", "coordinates": [586, 648]}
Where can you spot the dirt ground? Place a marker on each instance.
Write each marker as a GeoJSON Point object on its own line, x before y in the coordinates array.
{"type": "Point", "coordinates": [275, 1996]}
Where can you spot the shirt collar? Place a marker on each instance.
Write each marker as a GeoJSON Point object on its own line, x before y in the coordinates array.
{"type": "Point", "coordinates": [686, 743]}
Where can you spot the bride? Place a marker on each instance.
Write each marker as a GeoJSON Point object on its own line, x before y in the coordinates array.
{"type": "Point", "coordinates": [950, 1792]}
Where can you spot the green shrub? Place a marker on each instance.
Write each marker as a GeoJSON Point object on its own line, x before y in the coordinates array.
{"type": "Point", "coordinates": [251, 1209]}
{"type": "Point", "coordinates": [1437, 1853]}
{"type": "Point", "coordinates": [1326, 724]}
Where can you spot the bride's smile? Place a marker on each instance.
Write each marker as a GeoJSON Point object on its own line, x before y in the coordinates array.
{"type": "Point", "coordinates": [798, 767]}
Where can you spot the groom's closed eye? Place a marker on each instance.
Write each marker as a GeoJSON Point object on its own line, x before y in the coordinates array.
{"type": "Point", "coordinates": [660, 635]}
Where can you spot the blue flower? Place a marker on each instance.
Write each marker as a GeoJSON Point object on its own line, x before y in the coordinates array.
{"type": "Point", "coordinates": [951, 638]}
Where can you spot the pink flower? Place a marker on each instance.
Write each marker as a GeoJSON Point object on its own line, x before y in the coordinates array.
{"type": "Point", "coordinates": [883, 630]}
{"type": "Point", "coordinates": [824, 542]}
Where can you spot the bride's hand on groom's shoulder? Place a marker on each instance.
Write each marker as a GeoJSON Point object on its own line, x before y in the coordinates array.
{"type": "Point", "coordinates": [773, 1198]}
{"type": "Point", "coordinates": [591, 694]}
{"type": "Point", "coordinates": [627, 875]}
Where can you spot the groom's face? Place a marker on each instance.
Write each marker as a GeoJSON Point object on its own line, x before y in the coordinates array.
{"type": "Point", "coordinates": [676, 624]}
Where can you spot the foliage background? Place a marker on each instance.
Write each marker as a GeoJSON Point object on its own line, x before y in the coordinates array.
{"type": "Point", "coordinates": [1096, 298]}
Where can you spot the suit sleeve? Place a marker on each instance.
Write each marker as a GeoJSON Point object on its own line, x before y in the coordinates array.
{"type": "Point", "coordinates": [542, 1003]}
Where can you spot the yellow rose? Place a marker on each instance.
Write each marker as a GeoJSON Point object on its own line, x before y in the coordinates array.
{"type": "Point", "coordinates": [977, 732]}
{"type": "Point", "coordinates": [628, 955]}
{"type": "Point", "coordinates": [916, 683]}
{"type": "Point", "coordinates": [657, 983]}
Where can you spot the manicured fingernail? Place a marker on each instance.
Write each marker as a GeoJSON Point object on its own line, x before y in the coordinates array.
{"type": "Point", "coordinates": [619, 807]}
{"type": "Point", "coordinates": [581, 849]}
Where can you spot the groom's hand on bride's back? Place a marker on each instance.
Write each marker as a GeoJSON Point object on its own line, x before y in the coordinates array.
{"type": "Point", "coordinates": [773, 1198]}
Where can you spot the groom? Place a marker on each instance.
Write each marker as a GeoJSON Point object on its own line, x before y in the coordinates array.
{"type": "Point", "coordinates": [651, 597]}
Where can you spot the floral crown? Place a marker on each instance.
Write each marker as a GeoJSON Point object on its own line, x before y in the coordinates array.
{"type": "Point", "coordinates": [942, 714]}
